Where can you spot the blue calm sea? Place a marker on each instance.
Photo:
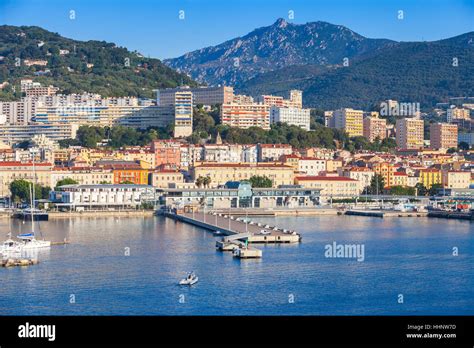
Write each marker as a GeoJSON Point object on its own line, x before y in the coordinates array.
{"type": "Point", "coordinates": [412, 257]}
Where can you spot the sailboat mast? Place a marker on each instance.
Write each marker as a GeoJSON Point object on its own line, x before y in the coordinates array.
{"type": "Point", "coordinates": [31, 211]}
{"type": "Point", "coordinates": [34, 175]}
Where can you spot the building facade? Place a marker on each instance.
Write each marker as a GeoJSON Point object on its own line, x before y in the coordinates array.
{"type": "Point", "coordinates": [443, 136]}
{"type": "Point", "coordinates": [292, 116]}
{"type": "Point", "coordinates": [349, 120]}
{"type": "Point", "coordinates": [220, 173]}
{"type": "Point", "coordinates": [410, 133]}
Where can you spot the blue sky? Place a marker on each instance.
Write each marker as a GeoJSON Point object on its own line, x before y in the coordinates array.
{"type": "Point", "coordinates": [153, 27]}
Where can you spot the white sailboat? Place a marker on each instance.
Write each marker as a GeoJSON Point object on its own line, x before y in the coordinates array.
{"type": "Point", "coordinates": [10, 246]}
{"type": "Point", "coordinates": [28, 240]}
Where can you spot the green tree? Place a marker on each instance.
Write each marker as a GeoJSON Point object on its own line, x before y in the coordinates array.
{"type": "Point", "coordinates": [421, 189]}
{"type": "Point", "coordinates": [377, 183]}
{"type": "Point", "coordinates": [200, 181]}
{"type": "Point", "coordinates": [206, 181]}
{"type": "Point", "coordinates": [66, 181]}
{"type": "Point", "coordinates": [402, 191]}
{"type": "Point", "coordinates": [259, 181]}
{"type": "Point", "coordinates": [20, 190]}
{"type": "Point", "coordinates": [434, 189]}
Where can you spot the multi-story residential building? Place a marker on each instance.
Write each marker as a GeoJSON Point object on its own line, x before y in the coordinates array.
{"type": "Point", "coordinates": [273, 152]}
{"type": "Point", "coordinates": [125, 171]}
{"type": "Point", "coordinates": [443, 135]}
{"type": "Point", "coordinates": [12, 134]}
{"type": "Point", "coordinates": [374, 127]}
{"type": "Point", "coordinates": [412, 181]}
{"type": "Point", "coordinates": [311, 166]}
{"type": "Point", "coordinates": [455, 179]}
{"type": "Point", "coordinates": [165, 178]}
{"type": "Point", "coordinates": [246, 115]}
{"type": "Point", "coordinates": [183, 114]}
{"type": "Point", "coordinates": [291, 160]}
{"type": "Point", "coordinates": [225, 153]}
{"type": "Point", "coordinates": [10, 171]}
{"type": "Point", "coordinates": [332, 165]}
{"type": "Point", "coordinates": [201, 95]}
{"type": "Point", "coordinates": [386, 170]}
{"type": "Point", "coordinates": [250, 153]}
{"type": "Point", "coordinates": [363, 175]}
{"type": "Point", "coordinates": [329, 119]}
{"type": "Point", "coordinates": [330, 186]}
{"type": "Point", "coordinates": [318, 152]}
{"type": "Point", "coordinates": [220, 173]}
{"type": "Point", "coordinates": [84, 176]}
{"type": "Point", "coordinates": [167, 152]}
{"type": "Point", "coordinates": [17, 112]}
{"type": "Point", "coordinates": [400, 179]}
{"type": "Point", "coordinates": [28, 84]}
{"type": "Point", "coordinates": [292, 116]}
{"type": "Point", "coordinates": [132, 116]}
{"type": "Point", "coordinates": [144, 155]}
{"type": "Point", "coordinates": [429, 177]}
{"type": "Point", "coordinates": [41, 90]}
{"type": "Point", "coordinates": [295, 101]}
{"type": "Point", "coordinates": [349, 120]}
{"type": "Point", "coordinates": [242, 99]}
{"type": "Point", "coordinates": [455, 114]}
{"type": "Point", "coordinates": [190, 155]}
{"type": "Point", "coordinates": [409, 133]}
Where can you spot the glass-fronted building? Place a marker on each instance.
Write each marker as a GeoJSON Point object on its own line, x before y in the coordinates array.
{"type": "Point", "coordinates": [241, 195]}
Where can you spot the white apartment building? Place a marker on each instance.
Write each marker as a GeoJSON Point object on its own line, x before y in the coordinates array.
{"type": "Point", "coordinates": [311, 166]}
{"type": "Point", "coordinates": [223, 153]}
{"type": "Point", "coordinates": [273, 152]}
{"type": "Point", "coordinates": [17, 112]}
{"type": "Point", "coordinates": [291, 116]}
{"type": "Point", "coordinates": [249, 153]}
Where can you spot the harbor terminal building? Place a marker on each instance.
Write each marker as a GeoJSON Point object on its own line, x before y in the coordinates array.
{"type": "Point", "coordinates": [233, 194]}
{"type": "Point", "coordinates": [237, 194]}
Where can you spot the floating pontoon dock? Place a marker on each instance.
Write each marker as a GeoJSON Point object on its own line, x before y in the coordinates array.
{"type": "Point", "coordinates": [237, 232]}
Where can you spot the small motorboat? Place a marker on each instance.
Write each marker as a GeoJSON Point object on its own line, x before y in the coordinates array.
{"type": "Point", "coordinates": [189, 280]}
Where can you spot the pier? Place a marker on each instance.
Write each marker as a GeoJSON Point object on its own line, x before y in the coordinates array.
{"type": "Point", "coordinates": [237, 232]}
{"type": "Point", "coordinates": [386, 213]}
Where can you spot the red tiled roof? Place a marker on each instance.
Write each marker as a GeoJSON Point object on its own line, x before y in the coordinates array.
{"type": "Point", "coordinates": [324, 178]}
{"type": "Point", "coordinates": [276, 146]}
{"type": "Point", "coordinates": [22, 164]}
{"type": "Point", "coordinates": [244, 165]}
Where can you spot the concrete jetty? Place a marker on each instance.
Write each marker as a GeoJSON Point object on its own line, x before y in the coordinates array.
{"type": "Point", "coordinates": [238, 232]}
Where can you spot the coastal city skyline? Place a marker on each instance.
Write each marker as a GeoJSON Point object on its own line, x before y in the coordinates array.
{"type": "Point", "coordinates": [236, 161]}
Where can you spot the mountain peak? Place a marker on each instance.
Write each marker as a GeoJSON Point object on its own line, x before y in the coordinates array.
{"type": "Point", "coordinates": [273, 47]}
{"type": "Point", "coordinates": [280, 23]}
